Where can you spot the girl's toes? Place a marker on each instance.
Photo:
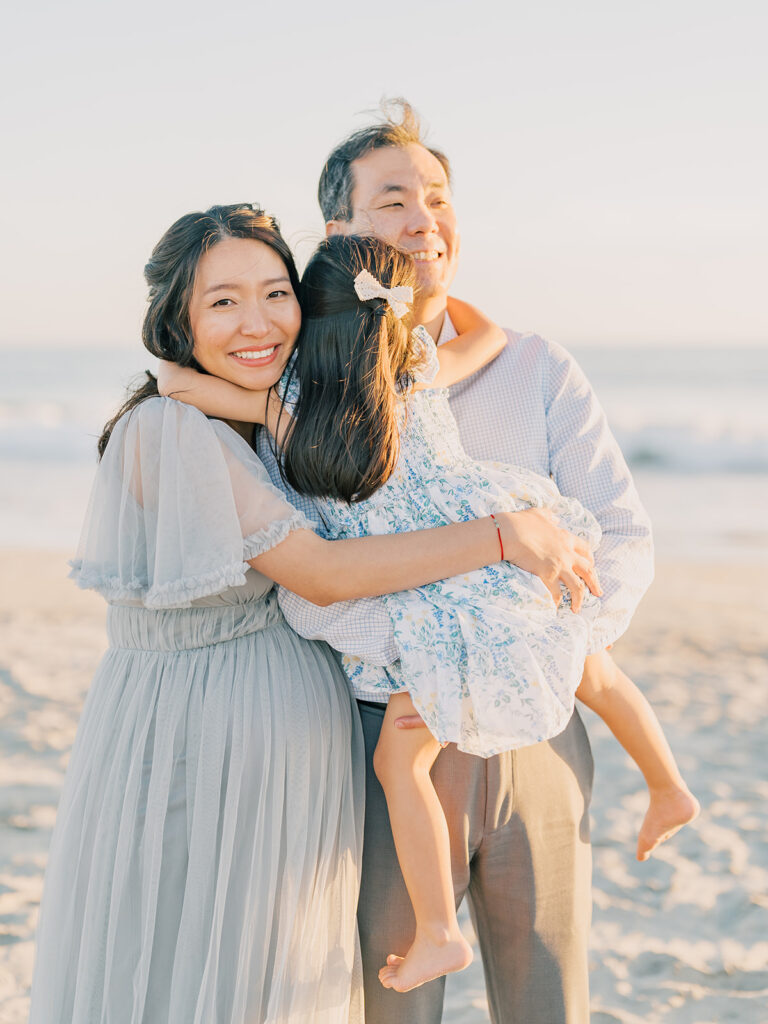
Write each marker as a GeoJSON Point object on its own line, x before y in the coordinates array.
{"type": "Point", "coordinates": [386, 976]}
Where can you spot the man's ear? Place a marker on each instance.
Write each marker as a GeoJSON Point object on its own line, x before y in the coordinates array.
{"type": "Point", "coordinates": [335, 227]}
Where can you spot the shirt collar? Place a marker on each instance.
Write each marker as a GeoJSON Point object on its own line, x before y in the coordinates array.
{"type": "Point", "coordinates": [447, 332]}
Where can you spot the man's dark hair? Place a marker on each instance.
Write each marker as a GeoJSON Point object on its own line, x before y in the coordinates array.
{"type": "Point", "coordinates": [398, 127]}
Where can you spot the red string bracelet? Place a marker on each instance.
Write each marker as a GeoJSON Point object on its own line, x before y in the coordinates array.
{"type": "Point", "coordinates": [498, 530]}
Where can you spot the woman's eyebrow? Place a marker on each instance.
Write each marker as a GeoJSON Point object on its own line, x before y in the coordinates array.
{"type": "Point", "coordinates": [224, 286]}
{"type": "Point", "coordinates": [234, 286]}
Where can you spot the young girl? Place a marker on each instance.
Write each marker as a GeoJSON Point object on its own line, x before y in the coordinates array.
{"type": "Point", "coordinates": [488, 660]}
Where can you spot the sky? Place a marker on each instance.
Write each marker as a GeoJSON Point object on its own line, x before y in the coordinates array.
{"type": "Point", "coordinates": [610, 158]}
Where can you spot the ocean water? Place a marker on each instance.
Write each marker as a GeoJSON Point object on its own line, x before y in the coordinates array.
{"type": "Point", "coordinates": [693, 425]}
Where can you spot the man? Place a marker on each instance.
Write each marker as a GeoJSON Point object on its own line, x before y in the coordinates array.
{"type": "Point", "coordinates": [519, 821]}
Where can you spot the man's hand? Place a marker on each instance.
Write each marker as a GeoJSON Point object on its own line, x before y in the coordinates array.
{"type": "Point", "coordinates": [534, 542]}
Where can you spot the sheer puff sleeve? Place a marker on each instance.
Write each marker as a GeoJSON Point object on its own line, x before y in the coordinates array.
{"type": "Point", "coordinates": [424, 346]}
{"type": "Point", "coordinates": [179, 504]}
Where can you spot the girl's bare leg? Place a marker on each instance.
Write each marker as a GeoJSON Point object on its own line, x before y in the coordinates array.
{"type": "Point", "coordinates": [402, 761]}
{"type": "Point", "coordinates": [612, 695]}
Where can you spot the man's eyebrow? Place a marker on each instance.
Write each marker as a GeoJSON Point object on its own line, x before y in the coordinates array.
{"type": "Point", "coordinates": [234, 286]}
{"type": "Point", "coordinates": [388, 189]}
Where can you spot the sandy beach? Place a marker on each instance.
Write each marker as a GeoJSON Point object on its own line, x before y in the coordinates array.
{"type": "Point", "coordinates": [683, 938]}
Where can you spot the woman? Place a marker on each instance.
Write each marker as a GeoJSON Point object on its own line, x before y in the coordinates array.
{"type": "Point", "coordinates": [204, 865]}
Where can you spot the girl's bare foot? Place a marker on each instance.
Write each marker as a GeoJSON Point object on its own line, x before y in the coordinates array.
{"type": "Point", "coordinates": [425, 961]}
{"type": "Point", "coordinates": [667, 812]}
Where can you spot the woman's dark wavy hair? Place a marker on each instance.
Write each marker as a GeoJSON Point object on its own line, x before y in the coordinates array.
{"type": "Point", "coordinates": [352, 359]}
{"type": "Point", "coordinates": [170, 275]}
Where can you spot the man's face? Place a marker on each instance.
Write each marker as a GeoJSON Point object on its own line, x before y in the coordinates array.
{"type": "Point", "coordinates": [402, 196]}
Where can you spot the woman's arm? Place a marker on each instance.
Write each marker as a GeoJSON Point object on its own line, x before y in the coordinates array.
{"type": "Point", "coordinates": [325, 572]}
{"type": "Point", "coordinates": [479, 341]}
{"type": "Point", "coordinates": [211, 395]}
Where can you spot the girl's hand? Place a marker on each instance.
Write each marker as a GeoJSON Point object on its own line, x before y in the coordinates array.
{"type": "Point", "coordinates": [533, 541]}
{"type": "Point", "coordinates": [478, 341]}
{"type": "Point", "coordinates": [211, 395]}
{"type": "Point", "coordinates": [172, 379]}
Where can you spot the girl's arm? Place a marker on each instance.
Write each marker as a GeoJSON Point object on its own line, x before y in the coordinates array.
{"type": "Point", "coordinates": [211, 395]}
{"type": "Point", "coordinates": [479, 341]}
{"type": "Point", "coordinates": [324, 572]}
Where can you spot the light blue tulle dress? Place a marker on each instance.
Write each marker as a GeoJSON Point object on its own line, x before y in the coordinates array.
{"type": "Point", "coordinates": [487, 659]}
{"type": "Point", "coordinates": [204, 867]}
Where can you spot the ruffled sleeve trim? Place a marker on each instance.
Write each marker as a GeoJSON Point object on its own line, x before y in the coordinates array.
{"type": "Point", "coordinates": [181, 593]}
{"type": "Point", "coordinates": [425, 347]}
{"type": "Point", "coordinates": [264, 540]}
{"type": "Point", "coordinates": [288, 385]}
{"type": "Point", "coordinates": [173, 594]}
{"type": "Point", "coordinates": [110, 587]}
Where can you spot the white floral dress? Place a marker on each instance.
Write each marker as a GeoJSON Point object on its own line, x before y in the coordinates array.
{"type": "Point", "coordinates": [487, 659]}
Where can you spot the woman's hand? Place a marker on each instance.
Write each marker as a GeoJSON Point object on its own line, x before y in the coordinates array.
{"type": "Point", "coordinates": [533, 541]}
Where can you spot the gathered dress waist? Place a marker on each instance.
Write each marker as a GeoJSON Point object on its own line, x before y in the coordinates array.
{"type": "Point", "coordinates": [182, 629]}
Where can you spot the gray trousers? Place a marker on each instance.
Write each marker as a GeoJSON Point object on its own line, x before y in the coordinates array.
{"type": "Point", "coordinates": [520, 852]}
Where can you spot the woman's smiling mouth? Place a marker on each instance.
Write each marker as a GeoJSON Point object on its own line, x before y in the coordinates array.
{"type": "Point", "coordinates": [255, 356]}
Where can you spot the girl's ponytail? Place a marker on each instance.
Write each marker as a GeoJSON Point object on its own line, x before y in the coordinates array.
{"type": "Point", "coordinates": [353, 358]}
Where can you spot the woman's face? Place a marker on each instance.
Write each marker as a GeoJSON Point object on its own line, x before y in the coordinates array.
{"type": "Point", "coordinates": [243, 313]}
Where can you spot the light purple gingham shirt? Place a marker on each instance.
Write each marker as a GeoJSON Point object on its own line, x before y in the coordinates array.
{"type": "Point", "coordinates": [531, 407]}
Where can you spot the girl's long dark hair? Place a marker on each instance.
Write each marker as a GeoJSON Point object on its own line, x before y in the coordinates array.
{"type": "Point", "coordinates": [351, 360]}
{"type": "Point", "coordinates": [170, 275]}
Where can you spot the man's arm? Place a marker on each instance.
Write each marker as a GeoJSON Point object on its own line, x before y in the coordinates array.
{"type": "Point", "coordinates": [587, 463]}
{"type": "Point", "coordinates": [362, 628]}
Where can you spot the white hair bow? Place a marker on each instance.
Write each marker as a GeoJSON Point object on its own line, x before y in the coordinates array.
{"type": "Point", "coordinates": [398, 299]}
